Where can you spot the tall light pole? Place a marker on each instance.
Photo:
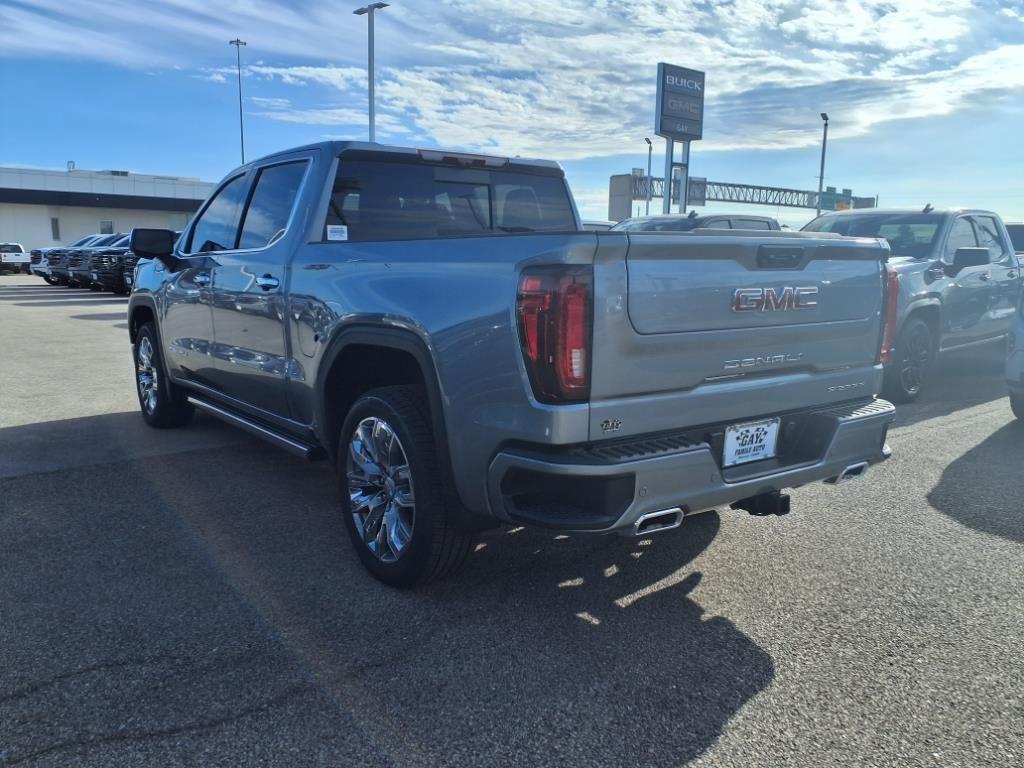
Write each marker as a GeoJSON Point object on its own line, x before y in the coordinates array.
{"type": "Point", "coordinates": [368, 10]}
{"type": "Point", "coordinates": [821, 174]}
{"type": "Point", "coordinates": [241, 131]}
{"type": "Point", "coordinates": [650, 149]}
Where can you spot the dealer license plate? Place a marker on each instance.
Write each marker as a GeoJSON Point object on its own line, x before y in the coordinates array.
{"type": "Point", "coordinates": [753, 441]}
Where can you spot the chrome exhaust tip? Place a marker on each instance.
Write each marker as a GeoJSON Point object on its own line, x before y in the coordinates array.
{"type": "Point", "coordinates": [655, 522]}
{"type": "Point", "coordinates": [852, 472]}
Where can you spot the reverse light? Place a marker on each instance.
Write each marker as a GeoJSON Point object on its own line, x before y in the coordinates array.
{"type": "Point", "coordinates": [554, 309]}
{"type": "Point", "coordinates": [892, 299]}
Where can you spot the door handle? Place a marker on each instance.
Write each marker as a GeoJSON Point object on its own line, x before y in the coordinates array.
{"type": "Point", "coordinates": [984, 277]}
{"type": "Point", "coordinates": [201, 278]}
{"type": "Point", "coordinates": [266, 282]}
{"type": "Point", "coordinates": [1012, 274]}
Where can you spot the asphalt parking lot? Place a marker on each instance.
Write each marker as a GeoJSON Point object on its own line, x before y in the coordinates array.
{"type": "Point", "coordinates": [190, 598]}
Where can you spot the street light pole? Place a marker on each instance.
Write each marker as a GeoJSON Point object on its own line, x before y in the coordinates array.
{"type": "Point", "coordinates": [368, 12]}
{"type": "Point", "coordinates": [241, 131]}
{"type": "Point", "coordinates": [650, 149]}
{"type": "Point", "coordinates": [821, 174]}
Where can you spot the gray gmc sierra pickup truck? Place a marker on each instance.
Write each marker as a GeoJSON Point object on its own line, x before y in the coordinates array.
{"type": "Point", "coordinates": [957, 278]}
{"type": "Point", "coordinates": [438, 326]}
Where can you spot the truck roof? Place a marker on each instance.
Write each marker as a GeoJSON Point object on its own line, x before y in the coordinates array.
{"type": "Point", "coordinates": [908, 211]}
{"type": "Point", "coordinates": [337, 147]}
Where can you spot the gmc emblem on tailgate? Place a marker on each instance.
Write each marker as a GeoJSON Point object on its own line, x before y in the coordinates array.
{"type": "Point", "coordinates": [772, 300]}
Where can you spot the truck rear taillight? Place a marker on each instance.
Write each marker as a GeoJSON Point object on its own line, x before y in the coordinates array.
{"type": "Point", "coordinates": [892, 299]}
{"type": "Point", "coordinates": [554, 309]}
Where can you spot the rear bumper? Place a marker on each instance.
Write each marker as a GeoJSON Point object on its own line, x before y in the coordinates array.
{"type": "Point", "coordinates": [607, 487]}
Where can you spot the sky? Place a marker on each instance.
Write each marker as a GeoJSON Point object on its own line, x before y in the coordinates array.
{"type": "Point", "coordinates": [925, 97]}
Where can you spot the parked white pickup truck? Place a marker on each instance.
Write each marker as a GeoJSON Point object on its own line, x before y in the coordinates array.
{"type": "Point", "coordinates": [14, 258]}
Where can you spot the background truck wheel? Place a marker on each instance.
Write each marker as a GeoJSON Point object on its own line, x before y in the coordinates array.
{"type": "Point", "coordinates": [163, 403]}
{"type": "Point", "coordinates": [391, 490]}
{"type": "Point", "coordinates": [912, 361]}
{"type": "Point", "coordinates": [1017, 405]}
{"type": "Point", "coordinates": [49, 280]}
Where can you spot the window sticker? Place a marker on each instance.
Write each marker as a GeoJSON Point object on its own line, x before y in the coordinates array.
{"type": "Point", "coordinates": [337, 232]}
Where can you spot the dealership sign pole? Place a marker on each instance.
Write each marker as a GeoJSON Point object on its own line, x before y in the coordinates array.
{"type": "Point", "coordinates": [679, 117]}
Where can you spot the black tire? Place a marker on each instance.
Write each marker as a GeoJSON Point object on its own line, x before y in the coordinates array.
{"type": "Point", "coordinates": [907, 375]}
{"type": "Point", "coordinates": [1017, 405]}
{"type": "Point", "coordinates": [433, 548]}
{"type": "Point", "coordinates": [49, 280]}
{"type": "Point", "coordinates": [163, 404]}
{"type": "Point", "coordinates": [27, 269]}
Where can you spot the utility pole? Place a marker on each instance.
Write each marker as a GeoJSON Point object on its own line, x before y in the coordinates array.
{"type": "Point", "coordinates": [821, 174]}
{"type": "Point", "coordinates": [368, 11]}
{"type": "Point", "coordinates": [241, 130]}
{"type": "Point", "coordinates": [650, 181]}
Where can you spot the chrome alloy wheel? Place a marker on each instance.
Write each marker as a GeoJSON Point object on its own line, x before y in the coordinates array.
{"type": "Point", "coordinates": [146, 375]}
{"type": "Point", "coordinates": [380, 489]}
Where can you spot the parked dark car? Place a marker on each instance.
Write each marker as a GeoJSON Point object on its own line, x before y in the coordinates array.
{"type": "Point", "coordinates": [956, 277]}
{"type": "Point", "coordinates": [685, 223]}
{"type": "Point", "coordinates": [105, 266]}
{"type": "Point", "coordinates": [78, 259]}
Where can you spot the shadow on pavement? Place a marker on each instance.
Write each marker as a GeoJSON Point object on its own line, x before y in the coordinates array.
{"type": "Point", "coordinates": [207, 603]}
{"type": "Point", "coordinates": [982, 488]}
{"type": "Point", "coordinates": [100, 316]}
{"type": "Point", "coordinates": [960, 380]}
{"type": "Point", "coordinates": [84, 302]}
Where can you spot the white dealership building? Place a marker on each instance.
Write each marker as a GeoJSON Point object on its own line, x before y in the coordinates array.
{"type": "Point", "coordinates": [40, 208]}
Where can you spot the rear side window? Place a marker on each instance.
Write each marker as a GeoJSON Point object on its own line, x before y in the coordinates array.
{"type": "Point", "coordinates": [217, 226]}
{"type": "Point", "coordinates": [375, 200]}
{"type": "Point", "coordinates": [271, 205]}
{"type": "Point", "coordinates": [990, 237]}
{"type": "Point", "coordinates": [750, 224]}
{"type": "Point", "coordinates": [10, 248]}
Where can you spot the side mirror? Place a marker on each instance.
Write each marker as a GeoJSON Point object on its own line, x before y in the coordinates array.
{"type": "Point", "coordinates": [968, 257]}
{"type": "Point", "coordinates": [154, 243]}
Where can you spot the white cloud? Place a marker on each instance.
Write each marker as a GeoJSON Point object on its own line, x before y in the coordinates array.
{"type": "Point", "coordinates": [570, 79]}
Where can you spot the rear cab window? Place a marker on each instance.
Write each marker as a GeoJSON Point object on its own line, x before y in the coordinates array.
{"type": "Point", "coordinates": [375, 197]}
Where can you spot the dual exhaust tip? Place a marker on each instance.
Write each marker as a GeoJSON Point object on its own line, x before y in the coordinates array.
{"type": "Point", "coordinates": [763, 504]}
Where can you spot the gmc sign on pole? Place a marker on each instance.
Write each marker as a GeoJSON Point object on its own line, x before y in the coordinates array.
{"type": "Point", "coordinates": [680, 113]}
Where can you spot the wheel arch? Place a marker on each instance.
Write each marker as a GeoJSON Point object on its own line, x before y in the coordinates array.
{"type": "Point", "coordinates": [930, 311]}
{"type": "Point", "coordinates": [382, 356]}
{"type": "Point", "coordinates": [140, 311]}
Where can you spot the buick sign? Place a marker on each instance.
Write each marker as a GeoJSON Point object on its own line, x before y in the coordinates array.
{"type": "Point", "coordinates": [680, 114]}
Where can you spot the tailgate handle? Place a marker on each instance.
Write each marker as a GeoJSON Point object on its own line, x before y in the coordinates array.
{"type": "Point", "coordinates": [779, 257]}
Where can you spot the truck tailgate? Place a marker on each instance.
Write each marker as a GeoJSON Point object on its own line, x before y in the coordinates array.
{"type": "Point", "coordinates": [695, 321]}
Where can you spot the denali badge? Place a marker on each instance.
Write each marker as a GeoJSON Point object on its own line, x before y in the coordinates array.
{"type": "Point", "coordinates": [771, 300]}
{"type": "Point", "coordinates": [755, 362]}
